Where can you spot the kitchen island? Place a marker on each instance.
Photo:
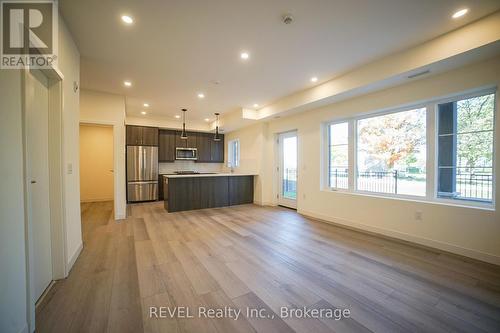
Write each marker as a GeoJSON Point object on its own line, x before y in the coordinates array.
{"type": "Point", "coordinates": [208, 190]}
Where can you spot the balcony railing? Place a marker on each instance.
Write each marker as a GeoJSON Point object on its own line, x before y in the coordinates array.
{"type": "Point", "coordinates": [475, 186]}
{"type": "Point", "coordinates": [469, 185]}
{"type": "Point", "coordinates": [290, 183]}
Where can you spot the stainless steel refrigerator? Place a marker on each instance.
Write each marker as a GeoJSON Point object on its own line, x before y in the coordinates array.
{"type": "Point", "coordinates": [142, 173]}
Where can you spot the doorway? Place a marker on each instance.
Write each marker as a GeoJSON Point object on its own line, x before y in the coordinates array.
{"type": "Point", "coordinates": [287, 169]}
{"type": "Point", "coordinates": [96, 163]}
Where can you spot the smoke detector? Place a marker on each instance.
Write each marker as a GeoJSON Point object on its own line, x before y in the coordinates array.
{"type": "Point", "coordinates": [287, 19]}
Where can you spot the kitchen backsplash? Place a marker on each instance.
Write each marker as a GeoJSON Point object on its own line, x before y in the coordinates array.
{"type": "Point", "coordinates": [191, 166]}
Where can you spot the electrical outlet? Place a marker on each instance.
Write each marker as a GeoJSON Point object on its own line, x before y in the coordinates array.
{"type": "Point", "coordinates": [418, 215]}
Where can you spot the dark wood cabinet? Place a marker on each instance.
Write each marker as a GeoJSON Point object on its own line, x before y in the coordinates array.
{"type": "Point", "coordinates": [217, 149]}
{"type": "Point", "coordinates": [160, 187]}
{"type": "Point", "coordinates": [188, 193]}
{"type": "Point", "coordinates": [141, 136]}
{"type": "Point", "coordinates": [204, 145]}
{"type": "Point", "coordinates": [190, 142]}
{"type": "Point", "coordinates": [209, 151]}
{"type": "Point", "coordinates": [134, 135]}
{"type": "Point", "coordinates": [166, 143]}
{"type": "Point", "coordinates": [240, 190]}
{"type": "Point", "coordinates": [150, 136]}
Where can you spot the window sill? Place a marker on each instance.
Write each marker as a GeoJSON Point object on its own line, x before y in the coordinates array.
{"type": "Point", "coordinates": [437, 201]}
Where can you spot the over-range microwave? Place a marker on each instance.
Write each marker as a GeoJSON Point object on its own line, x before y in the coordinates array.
{"type": "Point", "coordinates": [186, 153]}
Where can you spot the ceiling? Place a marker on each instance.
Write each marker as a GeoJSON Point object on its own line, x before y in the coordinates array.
{"type": "Point", "coordinates": [176, 49]}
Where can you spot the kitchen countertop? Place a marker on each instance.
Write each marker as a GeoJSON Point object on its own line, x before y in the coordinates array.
{"type": "Point", "coordinates": [208, 175]}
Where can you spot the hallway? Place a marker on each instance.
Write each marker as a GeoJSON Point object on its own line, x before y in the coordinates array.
{"type": "Point", "coordinates": [101, 292]}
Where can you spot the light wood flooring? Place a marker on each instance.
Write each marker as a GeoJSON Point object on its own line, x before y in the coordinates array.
{"type": "Point", "coordinates": [261, 258]}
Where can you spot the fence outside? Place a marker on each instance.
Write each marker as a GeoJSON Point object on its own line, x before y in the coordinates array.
{"type": "Point", "coordinates": [290, 183]}
{"type": "Point", "coordinates": [469, 185]}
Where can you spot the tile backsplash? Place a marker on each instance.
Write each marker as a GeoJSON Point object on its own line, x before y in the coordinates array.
{"type": "Point", "coordinates": [191, 166]}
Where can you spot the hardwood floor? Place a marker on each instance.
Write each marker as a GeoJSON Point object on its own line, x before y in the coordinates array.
{"type": "Point", "coordinates": [251, 257]}
{"type": "Point", "coordinates": [101, 293]}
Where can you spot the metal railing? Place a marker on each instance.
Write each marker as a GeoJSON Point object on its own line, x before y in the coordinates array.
{"type": "Point", "coordinates": [378, 181]}
{"type": "Point", "coordinates": [290, 182]}
{"type": "Point", "coordinates": [476, 185]}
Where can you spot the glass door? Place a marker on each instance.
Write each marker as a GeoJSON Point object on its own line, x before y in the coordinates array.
{"type": "Point", "coordinates": [287, 169]}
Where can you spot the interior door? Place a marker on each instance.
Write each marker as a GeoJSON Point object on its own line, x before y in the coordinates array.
{"type": "Point", "coordinates": [37, 151]}
{"type": "Point", "coordinates": [287, 169]}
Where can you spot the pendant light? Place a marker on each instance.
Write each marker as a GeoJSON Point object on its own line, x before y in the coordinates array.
{"type": "Point", "coordinates": [183, 133]}
{"type": "Point", "coordinates": [216, 136]}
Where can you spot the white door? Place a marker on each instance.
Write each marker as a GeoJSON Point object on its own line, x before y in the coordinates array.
{"type": "Point", "coordinates": [37, 151]}
{"type": "Point", "coordinates": [287, 169]}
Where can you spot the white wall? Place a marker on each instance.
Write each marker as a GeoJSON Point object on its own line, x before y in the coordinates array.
{"type": "Point", "coordinates": [468, 231]}
{"type": "Point", "coordinates": [12, 228]}
{"type": "Point", "coordinates": [253, 157]}
{"type": "Point", "coordinates": [69, 65]}
{"type": "Point", "coordinates": [13, 301]}
{"type": "Point", "coordinates": [103, 108]}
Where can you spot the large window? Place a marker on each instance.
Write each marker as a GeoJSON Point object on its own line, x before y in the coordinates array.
{"type": "Point", "coordinates": [465, 148]}
{"type": "Point", "coordinates": [391, 154]}
{"type": "Point", "coordinates": [339, 152]}
{"type": "Point", "coordinates": [387, 153]}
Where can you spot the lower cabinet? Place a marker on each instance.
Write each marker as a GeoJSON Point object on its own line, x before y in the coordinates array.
{"type": "Point", "coordinates": [240, 190]}
{"type": "Point", "coordinates": [188, 193]}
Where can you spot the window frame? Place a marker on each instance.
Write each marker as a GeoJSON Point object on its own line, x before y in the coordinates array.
{"type": "Point", "coordinates": [349, 155]}
{"type": "Point", "coordinates": [230, 153]}
{"type": "Point", "coordinates": [454, 98]}
{"type": "Point", "coordinates": [431, 109]}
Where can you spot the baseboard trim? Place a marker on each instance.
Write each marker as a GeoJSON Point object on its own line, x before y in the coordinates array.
{"type": "Point", "coordinates": [400, 236]}
{"type": "Point", "coordinates": [263, 203]}
{"type": "Point", "coordinates": [74, 257]}
{"type": "Point", "coordinates": [96, 200]}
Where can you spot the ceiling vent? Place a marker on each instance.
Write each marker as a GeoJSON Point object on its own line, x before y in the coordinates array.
{"type": "Point", "coordinates": [427, 71]}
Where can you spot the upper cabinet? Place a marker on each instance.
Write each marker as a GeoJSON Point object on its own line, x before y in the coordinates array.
{"type": "Point", "coordinates": [190, 142]}
{"type": "Point", "coordinates": [217, 149]}
{"type": "Point", "coordinates": [204, 146]}
{"type": "Point", "coordinates": [166, 142]}
{"type": "Point", "coordinates": [209, 151]}
{"type": "Point", "coordinates": [142, 136]}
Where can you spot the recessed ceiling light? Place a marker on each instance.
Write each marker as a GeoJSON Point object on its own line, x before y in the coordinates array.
{"type": "Point", "coordinates": [143, 112]}
{"type": "Point", "coordinates": [177, 116]}
{"type": "Point", "coordinates": [127, 83]}
{"type": "Point", "coordinates": [146, 105]}
{"type": "Point", "coordinates": [201, 95]}
{"type": "Point", "coordinates": [244, 55]}
{"type": "Point", "coordinates": [256, 105]}
{"type": "Point", "coordinates": [127, 19]}
{"type": "Point", "coordinates": [314, 79]}
{"type": "Point", "coordinates": [206, 119]}
{"type": "Point", "coordinates": [460, 13]}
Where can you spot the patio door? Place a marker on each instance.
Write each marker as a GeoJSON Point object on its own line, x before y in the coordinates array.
{"type": "Point", "coordinates": [287, 169]}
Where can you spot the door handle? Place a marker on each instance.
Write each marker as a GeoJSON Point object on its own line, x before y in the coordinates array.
{"type": "Point", "coordinates": [33, 182]}
{"type": "Point", "coordinates": [111, 170]}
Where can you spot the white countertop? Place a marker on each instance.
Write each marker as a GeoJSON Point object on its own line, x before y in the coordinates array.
{"type": "Point", "coordinates": [209, 175]}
